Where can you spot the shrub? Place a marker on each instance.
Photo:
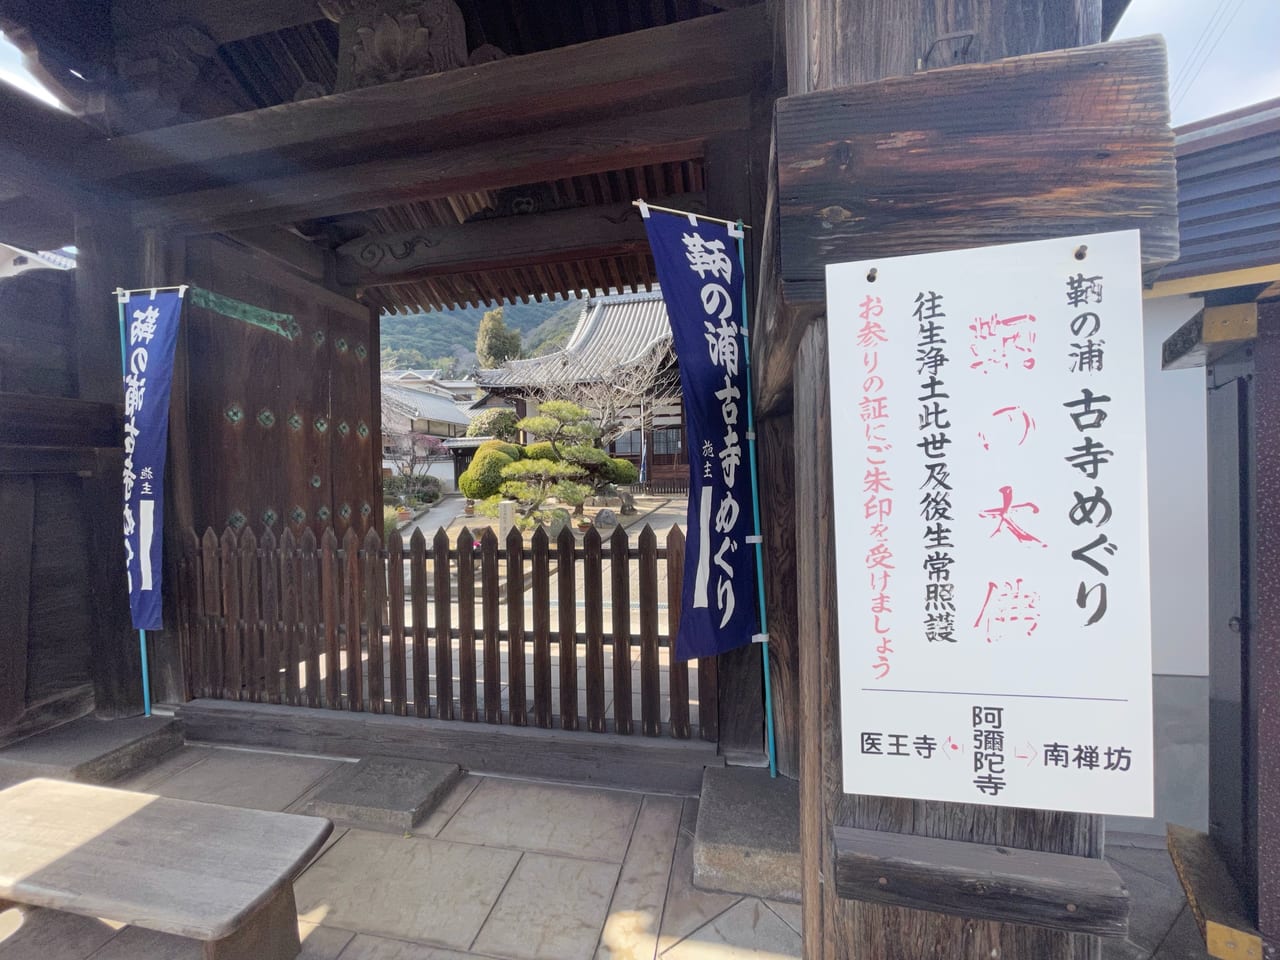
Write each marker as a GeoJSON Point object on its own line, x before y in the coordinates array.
{"type": "Point", "coordinates": [510, 449]}
{"type": "Point", "coordinates": [483, 478]}
{"type": "Point", "coordinates": [430, 489]}
{"type": "Point", "coordinates": [622, 472]}
{"type": "Point", "coordinates": [494, 423]}
{"type": "Point", "coordinates": [417, 487]}
{"type": "Point", "coordinates": [389, 522]}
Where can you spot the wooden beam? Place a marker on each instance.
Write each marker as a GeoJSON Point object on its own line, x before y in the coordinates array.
{"type": "Point", "coordinates": [1213, 896]}
{"type": "Point", "coordinates": [981, 881]}
{"type": "Point", "coordinates": [605, 760]}
{"type": "Point", "coordinates": [700, 59]}
{"type": "Point", "coordinates": [1050, 144]}
{"type": "Point", "coordinates": [58, 421]}
{"type": "Point", "coordinates": [1211, 334]}
{"type": "Point", "coordinates": [33, 224]}
{"type": "Point", "coordinates": [38, 192]}
{"type": "Point", "coordinates": [1192, 286]}
{"type": "Point", "coordinates": [286, 247]}
{"type": "Point", "coordinates": [679, 133]}
{"type": "Point", "coordinates": [85, 462]}
{"type": "Point", "coordinates": [584, 232]}
{"type": "Point", "coordinates": [224, 20]}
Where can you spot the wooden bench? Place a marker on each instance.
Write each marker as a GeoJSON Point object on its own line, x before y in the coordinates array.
{"type": "Point", "coordinates": [221, 875]}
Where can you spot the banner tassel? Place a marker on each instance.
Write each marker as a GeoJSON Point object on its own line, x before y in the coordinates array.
{"type": "Point", "coordinates": [739, 231]}
{"type": "Point", "coordinates": [122, 299]}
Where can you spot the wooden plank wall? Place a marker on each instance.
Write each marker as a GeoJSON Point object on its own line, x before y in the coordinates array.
{"type": "Point", "coordinates": [51, 447]}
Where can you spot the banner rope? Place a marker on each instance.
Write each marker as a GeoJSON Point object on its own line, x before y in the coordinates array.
{"type": "Point", "coordinates": [739, 231]}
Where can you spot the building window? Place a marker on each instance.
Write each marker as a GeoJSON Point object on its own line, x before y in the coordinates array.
{"type": "Point", "coordinates": [667, 440]}
{"type": "Point", "coordinates": [628, 444]}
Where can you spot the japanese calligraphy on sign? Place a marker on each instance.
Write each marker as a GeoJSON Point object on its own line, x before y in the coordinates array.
{"type": "Point", "coordinates": [991, 525]}
{"type": "Point", "coordinates": [702, 286]}
{"type": "Point", "coordinates": [149, 332]}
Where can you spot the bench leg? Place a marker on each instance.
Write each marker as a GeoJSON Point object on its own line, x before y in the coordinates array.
{"type": "Point", "coordinates": [271, 933]}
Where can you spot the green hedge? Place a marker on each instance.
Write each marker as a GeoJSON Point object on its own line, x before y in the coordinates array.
{"type": "Point", "coordinates": [483, 478]}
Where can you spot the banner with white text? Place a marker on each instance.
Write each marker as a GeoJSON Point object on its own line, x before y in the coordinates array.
{"type": "Point", "coordinates": [702, 285]}
{"type": "Point", "coordinates": [989, 458]}
{"type": "Point", "coordinates": [150, 333]}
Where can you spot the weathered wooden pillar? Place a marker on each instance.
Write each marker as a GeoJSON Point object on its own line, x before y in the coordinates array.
{"type": "Point", "coordinates": [874, 41]}
{"type": "Point", "coordinates": [164, 264]}
{"type": "Point", "coordinates": [739, 673]}
{"type": "Point", "coordinates": [107, 258]}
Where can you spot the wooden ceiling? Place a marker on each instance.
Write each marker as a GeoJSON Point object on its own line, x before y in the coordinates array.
{"type": "Point", "coordinates": [597, 104]}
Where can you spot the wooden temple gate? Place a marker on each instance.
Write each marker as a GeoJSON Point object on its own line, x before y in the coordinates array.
{"type": "Point", "coordinates": [498, 162]}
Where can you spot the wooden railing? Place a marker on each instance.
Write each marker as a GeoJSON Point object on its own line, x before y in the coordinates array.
{"type": "Point", "coordinates": [457, 631]}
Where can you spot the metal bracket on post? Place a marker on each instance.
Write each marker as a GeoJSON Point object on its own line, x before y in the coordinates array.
{"type": "Point", "coordinates": [960, 56]}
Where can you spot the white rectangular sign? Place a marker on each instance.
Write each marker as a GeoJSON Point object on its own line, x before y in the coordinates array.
{"type": "Point", "coordinates": [991, 525]}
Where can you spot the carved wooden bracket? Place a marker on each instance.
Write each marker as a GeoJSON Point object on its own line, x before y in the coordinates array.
{"type": "Point", "coordinates": [156, 72]}
{"type": "Point", "coordinates": [381, 41]}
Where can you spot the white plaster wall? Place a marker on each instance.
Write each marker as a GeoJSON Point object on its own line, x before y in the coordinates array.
{"type": "Point", "coordinates": [1177, 484]}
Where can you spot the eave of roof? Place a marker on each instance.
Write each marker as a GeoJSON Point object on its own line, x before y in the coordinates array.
{"type": "Point", "coordinates": [613, 332]}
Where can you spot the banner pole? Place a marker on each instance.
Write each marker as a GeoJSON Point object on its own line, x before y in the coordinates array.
{"type": "Point", "coordinates": [122, 299]}
{"type": "Point", "coordinates": [755, 510]}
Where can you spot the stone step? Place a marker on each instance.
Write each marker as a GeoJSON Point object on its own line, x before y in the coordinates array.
{"type": "Point", "coordinates": [90, 750]}
{"type": "Point", "coordinates": [393, 793]}
{"type": "Point", "coordinates": [748, 835]}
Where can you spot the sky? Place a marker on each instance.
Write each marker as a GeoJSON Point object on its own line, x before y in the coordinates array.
{"type": "Point", "coordinates": [1222, 53]}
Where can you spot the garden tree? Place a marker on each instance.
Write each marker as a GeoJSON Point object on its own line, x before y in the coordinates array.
{"type": "Point", "coordinates": [411, 453]}
{"type": "Point", "coordinates": [560, 423]}
{"type": "Point", "coordinates": [625, 397]}
{"type": "Point", "coordinates": [568, 434]}
{"type": "Point", "coordinates": [532, 482]}
{"type": "Point", "coordinates": [495, 344]}
{"type": "Point", "coordinates": [494, 423]}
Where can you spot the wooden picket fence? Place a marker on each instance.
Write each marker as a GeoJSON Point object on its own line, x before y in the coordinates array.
{"type": "Point", "coordinates": [296, 622]}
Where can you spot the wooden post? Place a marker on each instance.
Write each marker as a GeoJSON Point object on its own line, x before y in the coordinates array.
{"type": "Point", "coordinates": [107, 259]}
{"type": "Point", "coordinates": [877, 39]}
{"type": "Point", "coordinates": [739, 673]}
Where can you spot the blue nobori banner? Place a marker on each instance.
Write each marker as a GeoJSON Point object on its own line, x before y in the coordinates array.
{"type": "Point", "coordinates": [702, 284]}
{"type": "Point", "coordinates": [149, 332]}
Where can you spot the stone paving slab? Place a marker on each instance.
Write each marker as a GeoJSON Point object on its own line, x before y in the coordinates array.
{"type": "Point", "coordinates": [551, 907]}
{"type": "Point", "coordinates": [408, 888]}
{"type": "Point", "coordinates": [391, 792]}
{"type": "Point", "coordinates": [749, 928]}
{"type": "Point", "coordinates": [546, 818]}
